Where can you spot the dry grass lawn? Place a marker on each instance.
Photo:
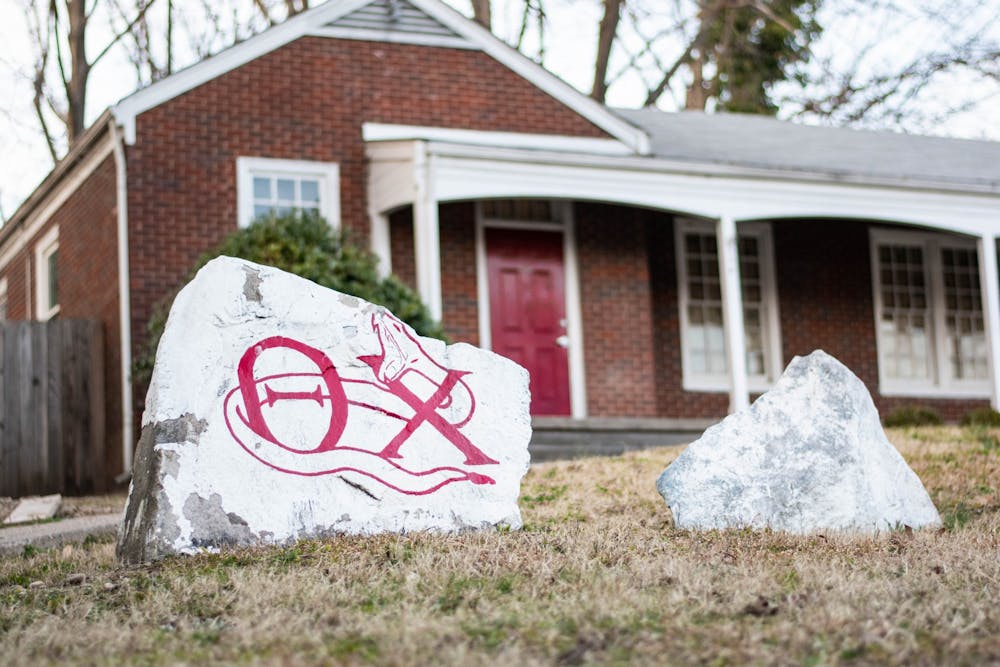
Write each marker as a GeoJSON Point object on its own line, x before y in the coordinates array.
{"type": "Point", "coordinates": [598, 575]}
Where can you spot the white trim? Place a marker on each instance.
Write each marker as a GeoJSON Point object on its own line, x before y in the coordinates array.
{"type": "Point", "coordinates": [772, 324]}
{"type": "Point", "coordinates": [3, 298]}
{"type": "Point", "coordinates": [372, 132]}
{"type": "Point", "coordinates": [124, 296]}
{"type": "Point", "coordinates": [401, 37]}
{"type": "Point", "coordinates": [381, 241]}
{"type": "Point", "coordinates": [939, 384]}
{"type": "Point", "coordinates": [732, 312]}
{"type": "Point", "coordinates": [201, 72]}
{"type": "Point", "coordinates": [328, 173]}
{"type": "Point", "coordinates": [528, 69]}
{"type": "Point", "coordinates": [713, 190]}
{"type": "Point", "coordinates": [45, 247]}
{"type": "Point", "coordinates": [465, 172]}
{"type": "Point", "coordinates": [426, 232]}
{"type": "Point", "coordinates": [34, 222]}
{"type": "Point", "coordinates": [566, 225]}
{"type": "Point", "coordinates": [315, 20]}
{"type": "Point", "coordinates": [989, 282]}
{"type": "Point", "coordinates": [574, 316]}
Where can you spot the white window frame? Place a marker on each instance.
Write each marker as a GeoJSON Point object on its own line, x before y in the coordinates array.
{"type": "Point", "coordinates": [702, 382]}
{"type": "Point", "coordinates": [3, 299]}
{"type": "Point", "coordinates": [939, 384]}
{"type": "Point", "coordinates": [44, 249]}
{"type": "Point", "coordinates": [327, 173]}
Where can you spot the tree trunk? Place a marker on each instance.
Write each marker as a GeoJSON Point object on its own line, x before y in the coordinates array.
{"type": "Point", "coordinates": [76, 87]}
{"type": "Point", "coordinates": [606, 32]}
{"type": "Point", "coordinates": [481, 12]}
{"type": "Point", "coordinates": [695, 99]}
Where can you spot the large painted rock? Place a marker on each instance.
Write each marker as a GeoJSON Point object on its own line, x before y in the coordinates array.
{"type": "Point", "coordinates": [809, 455]}
{"type": "Point", "coordinates": [281, 410]}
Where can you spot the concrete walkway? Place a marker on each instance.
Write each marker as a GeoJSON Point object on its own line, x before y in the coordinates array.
{"type": "Point", "coordinates": [13, 539]}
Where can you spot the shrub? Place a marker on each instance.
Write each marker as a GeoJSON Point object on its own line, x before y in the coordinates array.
{"type": "Point", "coordinates": [982, 417]}
{"type": "Point", "coordinates": [912, 415]}
{"type": "Point", "coordinates": [303, 244]}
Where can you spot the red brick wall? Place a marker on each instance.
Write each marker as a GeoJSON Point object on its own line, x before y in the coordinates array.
{"type": "Point", "coordinates": [401, 246]}
{"type": "Point", "coordinates": [14, 272]}
{"type": "Point", "coordinates": [460, 305]}
{"type": "Point", "coordinates": [628, 274]}
{"type": "Point", "coordinates": [825, 294]}
{"type": "Point", "coordinates": [671, 399]}
{"type": "Point", "coordinates": [617, 310]}
{"type": "Point", "coordinates": [306, 100]}
{"type": "Point", "coordinates": [88, 281]}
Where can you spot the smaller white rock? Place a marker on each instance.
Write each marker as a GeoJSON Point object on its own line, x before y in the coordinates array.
{"type": "Point", "coordinates": [35, 508]}
{"type": "Point", "coordinates": [809, 455]}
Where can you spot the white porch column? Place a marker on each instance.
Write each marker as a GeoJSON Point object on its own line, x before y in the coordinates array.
{"type": "Point", "coordinates": [732, 312]}
{"type": "Point", "coordinates": [380, 242]}
{"type": "Point", "coordinates": [990, 289]}
{"type": "Point", "coordinates": [426, 233]}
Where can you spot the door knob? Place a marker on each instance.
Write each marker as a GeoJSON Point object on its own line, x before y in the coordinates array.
{"type": "Point", "coordinates": [563, 341]}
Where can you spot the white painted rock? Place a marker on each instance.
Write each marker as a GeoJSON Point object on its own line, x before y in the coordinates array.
{"type": "Point", "coordinates": [281, 410]}
{"type": "Point", "coordinates": [809, 455]}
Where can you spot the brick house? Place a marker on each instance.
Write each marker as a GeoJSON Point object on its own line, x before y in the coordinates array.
{"type": "Point", "coordinates": [648, 267]}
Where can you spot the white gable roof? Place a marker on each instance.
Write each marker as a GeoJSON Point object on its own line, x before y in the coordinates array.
{"type": "Point", "coordinates": [427, 22]}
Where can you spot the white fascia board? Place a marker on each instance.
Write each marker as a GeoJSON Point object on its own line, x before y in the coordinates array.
{"type": "Point", "coordinates": [179, 83]}
{"type": "Point", "coordinates": [593, 111]}
{"type": "Point", "coordinates": [659, 164]}
{"type": "Point", "coordinates": [708, 195]}
{"type": "Point", "coordinates": [377, 132]}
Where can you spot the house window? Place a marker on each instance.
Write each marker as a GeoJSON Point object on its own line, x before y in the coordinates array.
{"type": "Point", "coordinates": [929, 315]}
{"type": "Point", "coordinates": [47, 275]}
{"type": "Point", "coordinates": [703, 338]}
{"type": "Point", "coordinates": [3, 299]}
{"type": "Point", "coordinates": [267, 186]}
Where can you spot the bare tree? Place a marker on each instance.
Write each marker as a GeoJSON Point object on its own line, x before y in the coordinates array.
{"type": "Point", "coordinates": [952, 65]}
{"type": "Point", "coordinates": [61, 72]}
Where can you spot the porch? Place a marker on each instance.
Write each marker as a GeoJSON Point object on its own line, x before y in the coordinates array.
{"type": "Point", "coordinates": [687, 290]}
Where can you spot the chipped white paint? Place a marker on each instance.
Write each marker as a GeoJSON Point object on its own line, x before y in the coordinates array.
{"type": "Point", "coordinates": [249, 437]}
{"type": "Point", "coordinates": [809, 455]}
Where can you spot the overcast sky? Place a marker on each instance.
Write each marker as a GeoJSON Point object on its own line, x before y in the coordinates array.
{"type": "Point", "coordinates": [570, 49]}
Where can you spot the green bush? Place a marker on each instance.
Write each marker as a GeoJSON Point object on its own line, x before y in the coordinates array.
{"type": "Point", "coordinates": [912, 415]}
{"type": "Point", "coordinates": [982, 417]}
{"type": "Point", "coordinates": [303, 244]}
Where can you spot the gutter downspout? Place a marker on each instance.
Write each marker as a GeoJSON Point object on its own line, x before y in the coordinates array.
{"type": "Point", "coordinates": [124, 300]}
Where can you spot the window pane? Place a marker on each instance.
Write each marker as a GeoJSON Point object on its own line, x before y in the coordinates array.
{"type": "Point", "coordinates": [286, 190]}
{"type": "Point", "coordinates": [965, 335]}
{"type": "Point", "coordinates": [705, 337]}
{"type": "Point", "coordinates": [310, 193]}
{"type": "Point", "coordinates": [262, 188]}
{"type": "Point", "coordinates": [261, 210]}
{"type": "Point", "coordinates": [905, 311]}
{"type": "Point", "coordinates": [53, 279]}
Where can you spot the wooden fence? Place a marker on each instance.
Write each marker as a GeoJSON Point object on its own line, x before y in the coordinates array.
{"type": "Point", "coordinates": [52, 431]}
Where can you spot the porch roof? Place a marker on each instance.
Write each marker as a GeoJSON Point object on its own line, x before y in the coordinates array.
{"type": "Point", "coordinates": [760, 142]}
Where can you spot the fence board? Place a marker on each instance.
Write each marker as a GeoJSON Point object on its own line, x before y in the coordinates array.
{"type": "Point", "coordinates": [51, 407]}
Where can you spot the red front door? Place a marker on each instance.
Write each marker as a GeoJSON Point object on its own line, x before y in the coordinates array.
{"type": "Point", "coordinates": [528, 311]}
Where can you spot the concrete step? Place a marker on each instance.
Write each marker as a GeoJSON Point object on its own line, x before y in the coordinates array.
{"type": "Point", "coordinates": [555, 438]}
